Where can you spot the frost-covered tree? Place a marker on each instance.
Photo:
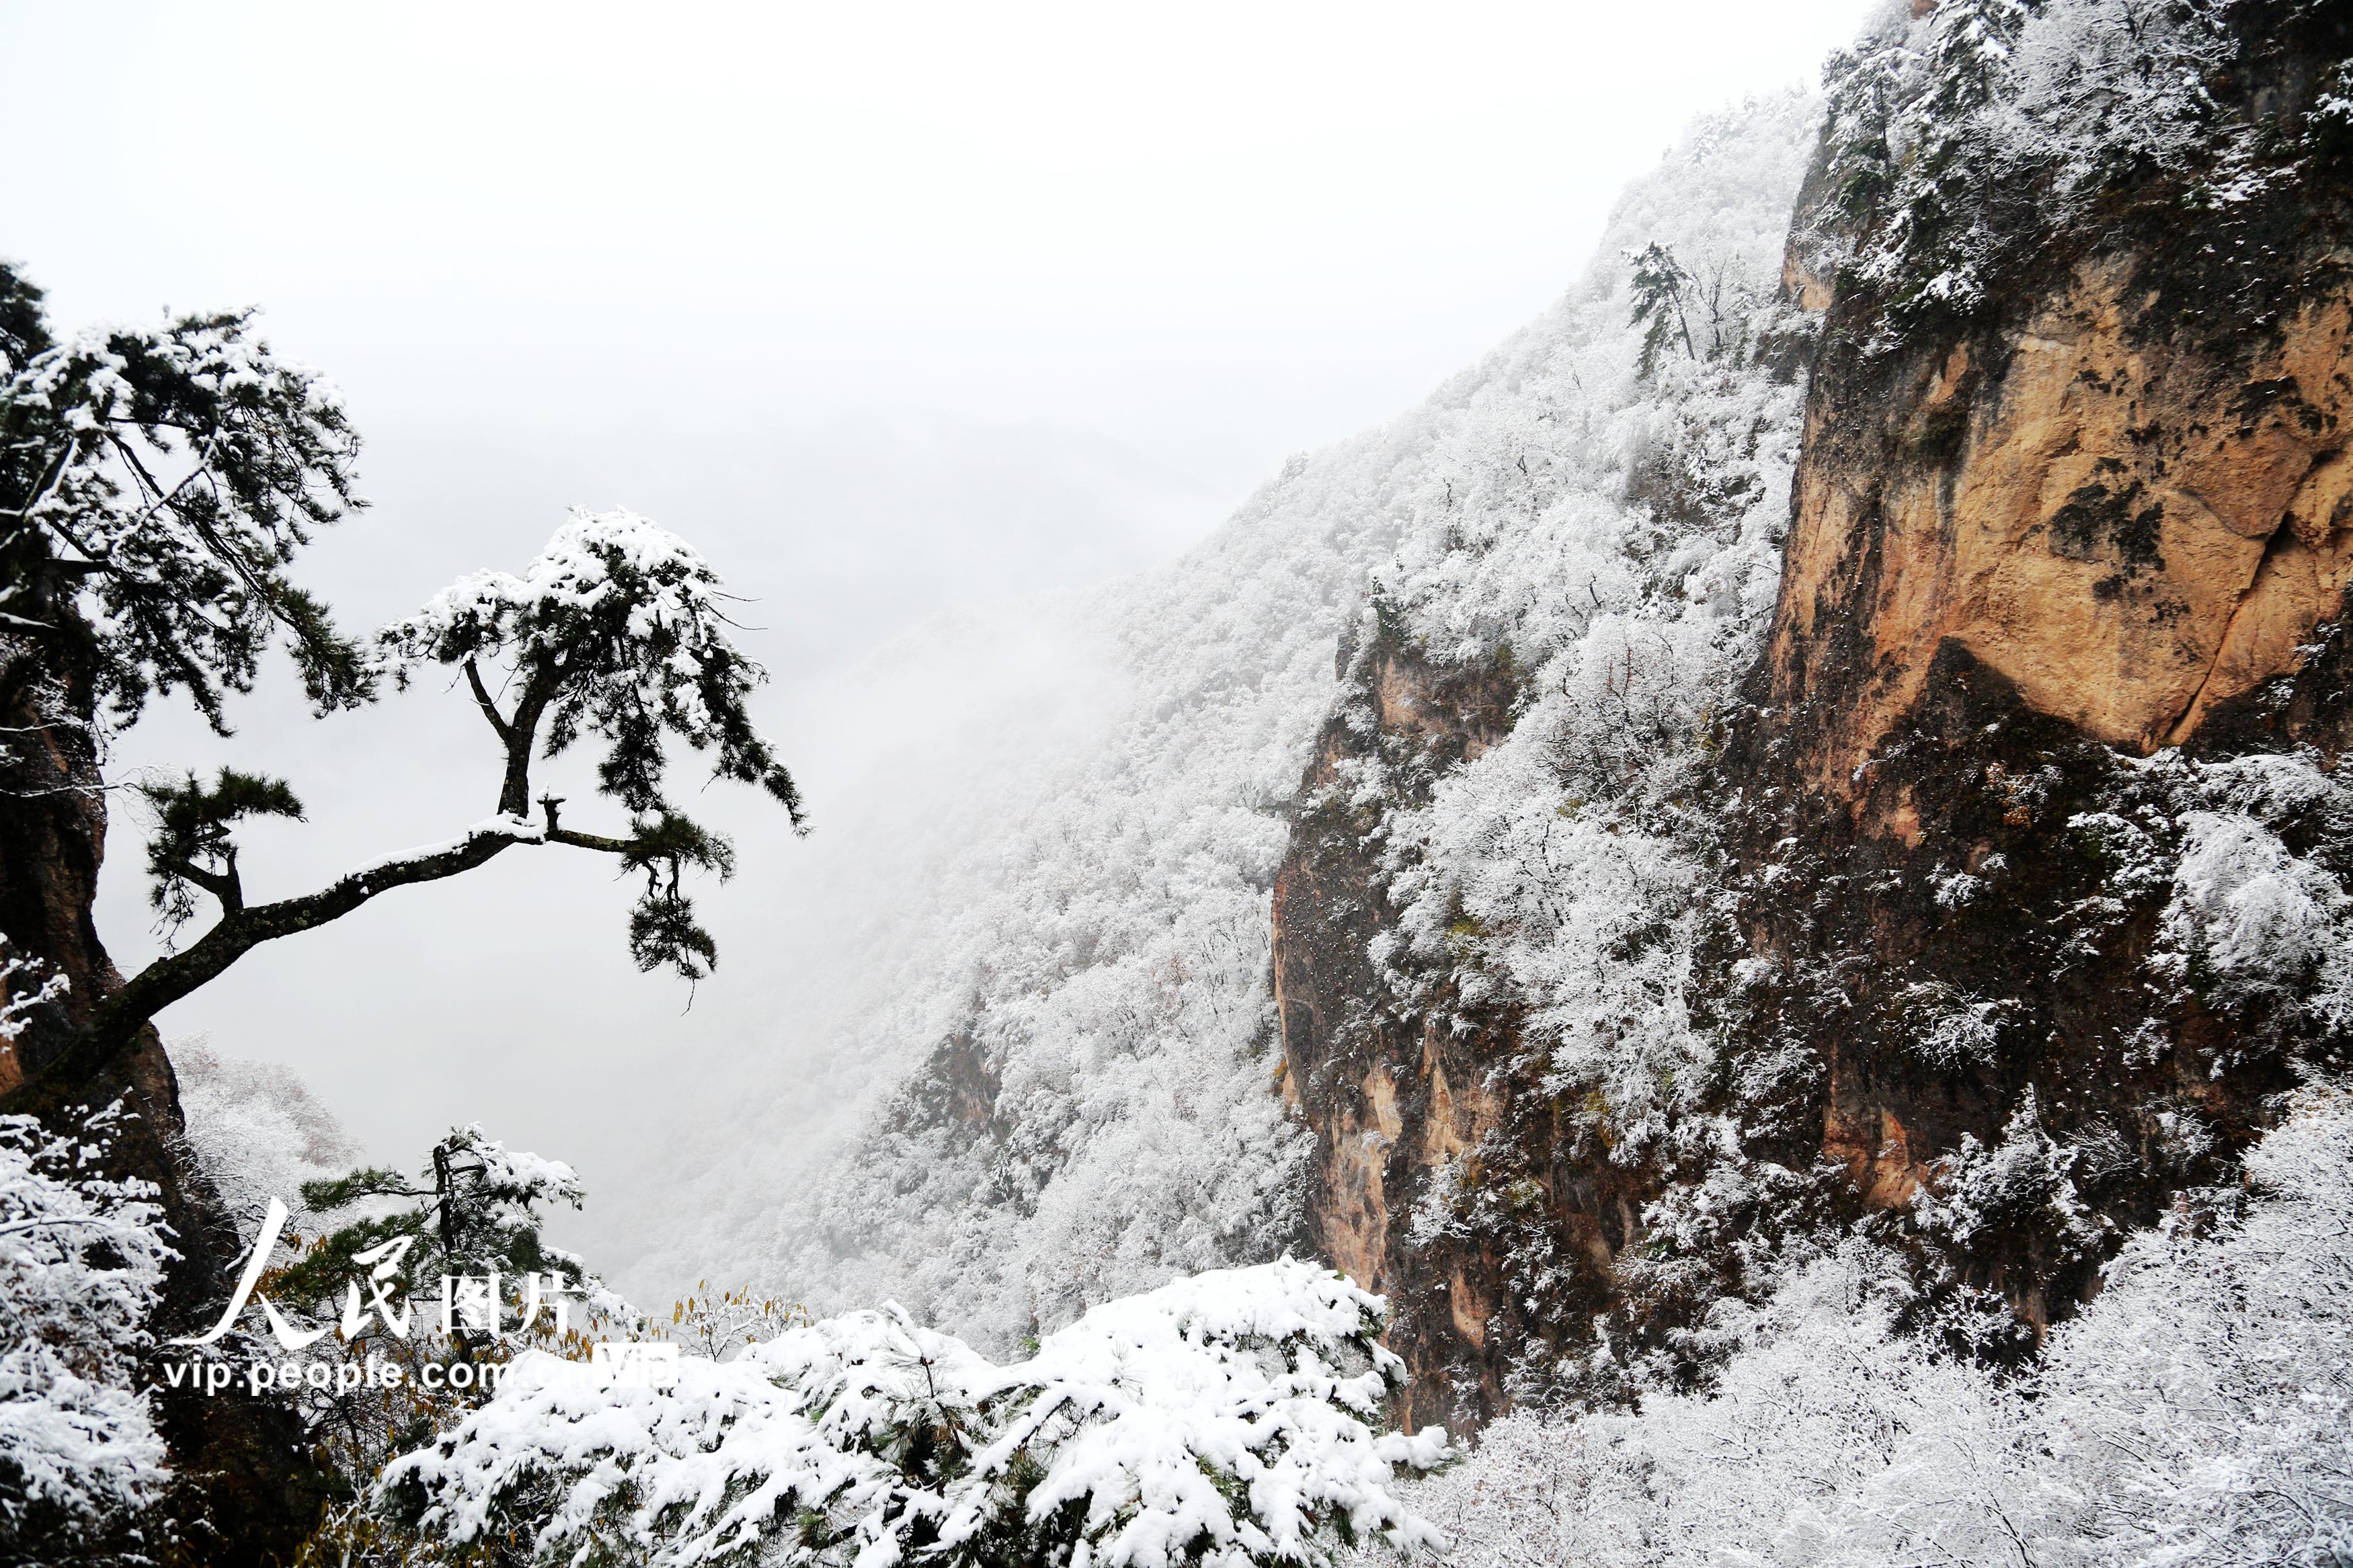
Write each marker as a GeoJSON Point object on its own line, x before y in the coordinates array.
{"type": "Point", "coordinates": [81, 1260]}
{"type": "Point", "coordinates": [619, 632]}
{"type": "Point", "coordinates": [2196, 1412]}
{"type": "Point", "coordinates": [1228, 1420]}
{"type": "Point", "coordinates": [616, 631]}
{"type": "Point", "coordinates": [1658, 288]}
{"type": "Point", "coordinates": [155, 486]}
{"type": "Point", "coordinates": [475, 1214]}
{"type": "Point", "coordinates": [367, 1284]}
{"type": "Point", "coordinates": [716, 1322]}
{"type": "Point", "coordinates": [1963, 135]}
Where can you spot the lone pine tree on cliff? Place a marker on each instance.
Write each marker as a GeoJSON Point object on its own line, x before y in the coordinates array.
{"type": "Point", "coordinates": [155, 487]}
{"type": "Point", "coordinates": [156, 484]}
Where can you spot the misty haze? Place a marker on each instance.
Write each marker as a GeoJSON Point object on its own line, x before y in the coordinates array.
{"type": "Point", "coordinates": [1262, 785]}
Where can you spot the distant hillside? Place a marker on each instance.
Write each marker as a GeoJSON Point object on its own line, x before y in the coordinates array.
{"type": "Point", "coordinates": [1091, 1096]}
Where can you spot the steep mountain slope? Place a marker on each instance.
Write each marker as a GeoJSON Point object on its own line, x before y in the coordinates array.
{"type": "Point", "coordinates": [1487, 927]}
{"type": "Point", "coordinates": [1093, 1103]}
{"type": "Point", "coordinates": [1617, 983]}
{"type": "Point", "coordinates": [1665, 905]}
{"type": "Point", "coordinates": [1088, 1112]}
{"type": "Point", "coordinates": [1067, 998]}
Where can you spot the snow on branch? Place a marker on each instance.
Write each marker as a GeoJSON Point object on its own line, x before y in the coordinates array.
{"type": "Point", "coordinates": [618, 629]}
{"type": "Point", "coordinates": [1226, 1420]}
{"type": "Point", "coordinates": [81, 1264]}
{"type": "Point", "coordinates": [158, 482]}
{"type": "Point", "coordinates": [24, 991]}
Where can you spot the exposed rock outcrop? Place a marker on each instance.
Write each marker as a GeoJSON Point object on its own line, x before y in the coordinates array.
{"type": "Point", "coordinates": [2061, 607]}
{"type": "Point", "coordinates": [2129, 517]}
{"type": "Point", "coordinates": [1393, 1098]}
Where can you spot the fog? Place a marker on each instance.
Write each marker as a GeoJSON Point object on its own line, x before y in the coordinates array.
{"type": "Point", "coordinates": [898, 311]}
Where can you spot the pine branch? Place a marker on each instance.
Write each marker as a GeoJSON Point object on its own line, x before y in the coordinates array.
{"type": "Point", "coordinates": [117, 1020]}
{"type": "Point", "coordinates": [490, 708]}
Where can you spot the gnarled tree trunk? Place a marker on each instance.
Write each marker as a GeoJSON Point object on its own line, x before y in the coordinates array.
{"type": "Point", "coordinates": [238, 1495]}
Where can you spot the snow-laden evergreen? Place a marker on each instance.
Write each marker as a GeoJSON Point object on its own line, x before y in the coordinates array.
{"type": "Point", "coordinates": [1226, 1420]}
{"type": "Point", "coordinates": [620, 630]}
{"type": "Point", "coordinates": [1964, 136]}
{"type": "Point", "coordinates": [159, 482]}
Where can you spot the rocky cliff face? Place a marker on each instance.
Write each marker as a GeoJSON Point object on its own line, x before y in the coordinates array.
{"type": "Point", "coordinates": [2016, 861]}
{"type": "Point", "coordinates": [2129, 510]}
{"type": "Point", "coordinates": [2099, 518]}
{"type": "Point", "coordinates": [1392, 1097]}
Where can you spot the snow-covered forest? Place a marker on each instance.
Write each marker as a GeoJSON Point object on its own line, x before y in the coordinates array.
{"type": "Point", "coordinates": [1094, 940]}
{"type": "Point", "coordinates": [1361, 1044]}
{"type": "Point", "coordinates": [2195, 1412]}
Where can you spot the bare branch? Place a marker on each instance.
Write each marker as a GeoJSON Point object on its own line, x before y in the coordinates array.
{"type": "Point", "coordinates": [490, 708]}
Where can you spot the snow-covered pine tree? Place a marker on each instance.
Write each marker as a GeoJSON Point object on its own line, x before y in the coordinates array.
{"type": "Point", "coordinates": [156, 484]}
{"type": "Point", "coordinates": [1229, 1420]}
{"type": "Point", "coordinates": [1658, 290]}
{"type": "Point", "coordinates": [473, 1216]}
{"type": "Point", "coordinates": [616, 631]}
{"type": "Point", "coordinates": [1913, 166]}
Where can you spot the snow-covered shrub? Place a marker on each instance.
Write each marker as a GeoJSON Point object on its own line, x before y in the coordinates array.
{"type": "Point", "coordinates": [2202, 1407]}
{"type": "Point", "coordinates": [2023, 1185]}
{"type": "Point", "coordinates": [2258, 921]}
{"type": "Point", "coordinates": [1224, 1420]}
{"type": "Point", "coordinates": [2252, 855]}
{"type": "Point", "coordinates": [370, 1268]}
{"type": "Point", "coordinates": [2198, 1411]}
{"type": "Point", "coordinates": [25, 988]}
{"type": "Point", "coordinates": [717, 1322]}
{"type": "Point", "coordinates": [1829, 1439]}
{"type": "Point", "coordinates": [1962, 136]}
{"type": "Point", "coordinates": [81, 1264]}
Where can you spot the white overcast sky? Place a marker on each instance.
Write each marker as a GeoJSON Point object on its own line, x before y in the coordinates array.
{"type": "Point", "coordinates": [1215, 232]}
{"type": "Point", "coordinates": [893, 308]}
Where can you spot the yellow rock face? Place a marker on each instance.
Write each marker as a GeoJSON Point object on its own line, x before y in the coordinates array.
{"type": "Point", "coordinates": [2129, 533]}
